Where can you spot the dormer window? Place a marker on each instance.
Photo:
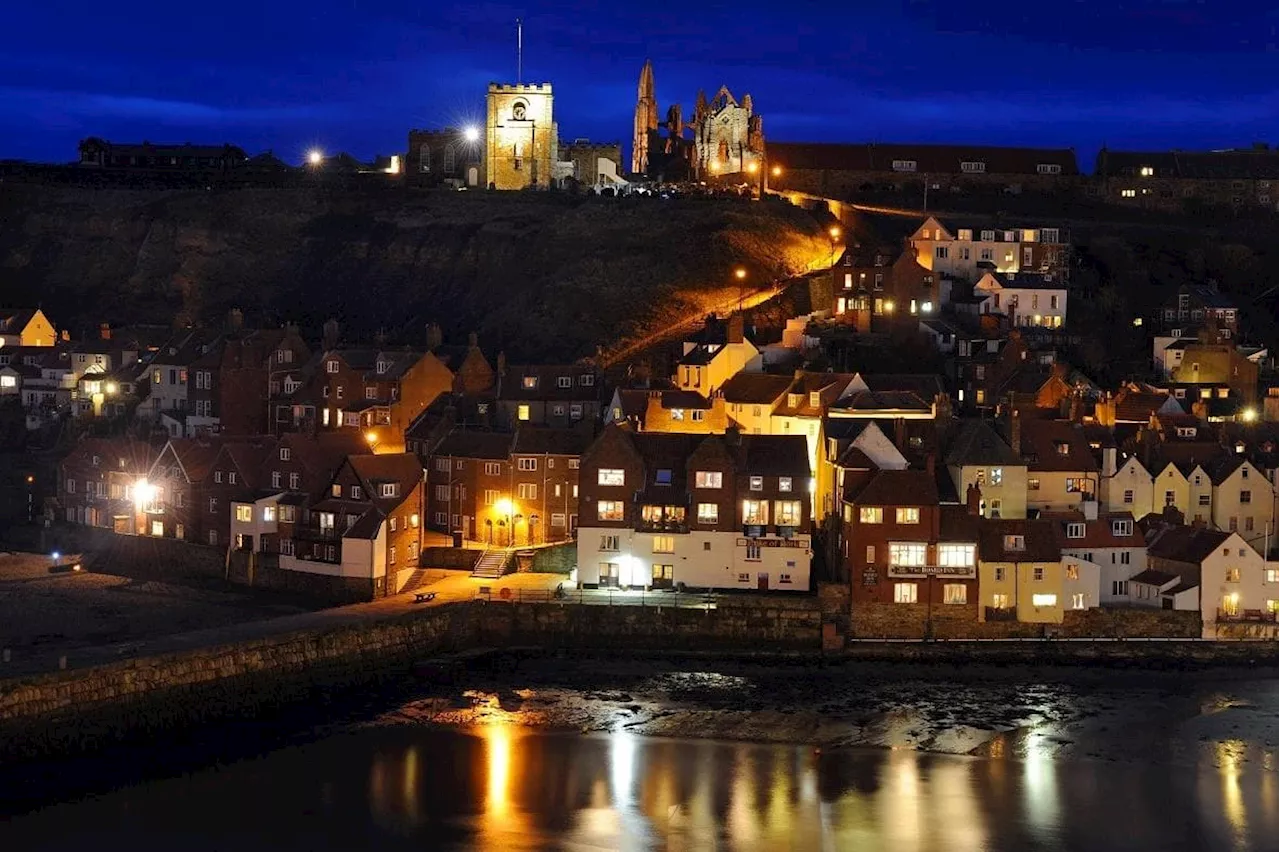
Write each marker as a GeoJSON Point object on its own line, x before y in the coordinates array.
{"type": "Point", "coordinates": [564, 381]}
{"type": "Point", "coordinates": [1015, 543]}
{"type": "Point", "coordinates": [793, 400]}
{"type": "Point", "coordinates": [663, 477]}
{"type": "Point", "coordinates": [587, 380]}
{"type": "Point", "coordinates": [973, 167]}
{"type": "Point", "coordinates": [1121, 529]}
{"type": "Point", "coordinates": [814, 399]}
{"type": "Point", "coordinates": [529, 382]}
{"type": "Point", "coordinates": [1075, 530]}
{"type": "Point", "coordinates": [1062, 448]}
{"type": "Point", "coordinates": [389, 489]}
{"type": "Point", "coordinates": [383, 366]}
{"type": "Point", "coordinates": [331, 366]}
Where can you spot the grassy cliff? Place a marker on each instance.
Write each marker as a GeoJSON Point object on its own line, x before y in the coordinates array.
{"type": "Point", "coordinates": [543, 276]}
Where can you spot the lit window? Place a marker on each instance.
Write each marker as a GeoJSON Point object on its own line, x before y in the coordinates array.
{"type": "Point", "coordinates": [909, 554]}
{"type": "Point", "coordinates": [611, 476]}
{"type": "Point", "coordinates": [755, 512]}
{"type": "Point", "coordinates": [708, 513]}
{"type": "Point", "coordinates": [522, 413]}
{"type": "Point", "coordinates": [904, 593]}
{"type": "Point", "coordinates": [609, 510]}
{"type": "Point", "coordinates": [784, 483]}
{"type": "Point", "coordinates": [871, 515]}
{"type": "Point", "coordinates": [909, 515]}
{"type": "Point", "coordinates": [708, 479]}
{"type": "Point", "coordinates": [955, 555]}
{"type": "Point", "coordinates": [954, 593]}
{"type": "Point", "coordinates": [757, 483]}
{"type": "Point", "coordinates": [664, 544]}
{"type": "Point", "coordinates": [244, 514]}
{"type": "Point", "coordinates": [787, 513]}
{"type": "Point", "coordinates": [1044, 600]}
{"type": "Point", "coordinates": [1146, 171]}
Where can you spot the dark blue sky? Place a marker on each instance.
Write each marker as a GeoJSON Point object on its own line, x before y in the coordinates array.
{"type": "Point", "coordinates": [356, 75]}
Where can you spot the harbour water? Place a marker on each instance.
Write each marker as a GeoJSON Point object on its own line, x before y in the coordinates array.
{"type": "Point", "coordinates": [532, 759]}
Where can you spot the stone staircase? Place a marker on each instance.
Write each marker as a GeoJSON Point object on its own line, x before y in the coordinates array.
{"type": "Point", "coordinates": [490, 564]}
{"type": "Point", "coordinates": [415, 581]}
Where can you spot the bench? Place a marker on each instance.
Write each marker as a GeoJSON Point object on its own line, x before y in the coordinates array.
{"type": "Point", "coordinates": [424, 597]}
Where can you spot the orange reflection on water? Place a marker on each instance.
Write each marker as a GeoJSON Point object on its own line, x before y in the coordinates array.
{"type": "Point", "coordinates": [1228, 753]}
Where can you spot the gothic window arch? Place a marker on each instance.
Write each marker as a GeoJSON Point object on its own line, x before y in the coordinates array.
{"type": "Point", "coordinates": [424, 157]}
{"type": "Point", "coordinates": [450, 160]}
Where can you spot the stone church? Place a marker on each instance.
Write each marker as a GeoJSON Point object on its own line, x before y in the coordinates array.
{"type": "Point", "coordinates": [724, 136]}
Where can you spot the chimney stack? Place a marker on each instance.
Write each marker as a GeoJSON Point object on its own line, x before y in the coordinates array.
{"type": "Point", "coordinates": [973, 499]}
{"type": "Point", "coordinates": [330, 336]}
{"type": "Point", "coordinates": [435, 337]}
{"type": "Point", "coordinates": [473, 341]}
{"type": "Point", "coordinates": [104, 331]}
{"type": "Point", "coordinates": [733, 331]}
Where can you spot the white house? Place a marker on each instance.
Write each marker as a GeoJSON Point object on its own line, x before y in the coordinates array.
{"type": "Point", "coordinates": [1109, 541]}
{"type": "Point", "coordinates": [1027, 299]}
{"type": "Point", "coordinates": [1238, 594]}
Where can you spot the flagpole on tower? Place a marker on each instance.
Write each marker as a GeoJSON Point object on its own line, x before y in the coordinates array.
{"type": "Point", "coordinates": [519, 51]}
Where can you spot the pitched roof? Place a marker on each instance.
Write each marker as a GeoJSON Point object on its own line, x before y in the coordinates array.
{"type": "Point", "coordinates": [774, 455]}
{"type": "Point", "coordinates": [13, 321]}
{"type": "Point", "coordinates": [1186, 544]}
{"type": "Point", "coordinates": [924, 385]}
{"type": "Point", "coordinates": [476, 444]}
{"type": "Point", "coordinates": [755, 388]}
{"type": "Point", "coordinates": [543, 381]}
{"type": "Point", "coordinates": [899, 488]}
{"type": "Point", "coordinates": [537, 440]}
{"type": "Point", "coordinates": [1039, 538]}
{"type": "Point", "coordinates": [1055, 445]}
{"type": "Point", "coordinates": [1097, 533]}
{"type": "Point", "coordinates": [1152, 577]}
{"type": "Point", "coordinates": [1219, 165]}
{"type": "Point", "coordinates": [402, 468]}
{"type": "Point", "coordinates": [976, 443]}
{"type": "Point", "coordinates": [955, 523]}
{"type": "Point", "coordinates": [929, 159]}
{"type": "Point", "coordinates": [137, 455]}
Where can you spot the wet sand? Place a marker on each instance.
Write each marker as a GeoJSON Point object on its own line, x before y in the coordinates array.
{"type": "Point", "coordinates": [1224, 717]}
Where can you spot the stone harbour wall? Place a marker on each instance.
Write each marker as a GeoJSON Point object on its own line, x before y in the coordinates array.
{"type": "Point", "coordinates": [941, 621]}
{"type": "Point", "coordinates": [771, 627]}
{"type": "Point", "coordinates": [69, 708]}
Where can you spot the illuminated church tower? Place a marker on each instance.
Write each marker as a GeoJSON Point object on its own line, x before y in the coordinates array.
{"type": "Point", "coordinates": [520, 136]}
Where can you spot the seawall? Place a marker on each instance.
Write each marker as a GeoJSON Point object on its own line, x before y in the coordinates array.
{"type": "Point", "coordinates": [82, 710]}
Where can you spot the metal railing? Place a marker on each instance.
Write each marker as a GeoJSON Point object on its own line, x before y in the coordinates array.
{"type": "Point", "coordinates": [598, 597]}
{"type": "Point", "coordinates": [1247, 615]}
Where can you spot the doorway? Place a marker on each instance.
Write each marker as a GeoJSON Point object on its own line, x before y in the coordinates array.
{"type": "Point", "coordinates": [762, 581]}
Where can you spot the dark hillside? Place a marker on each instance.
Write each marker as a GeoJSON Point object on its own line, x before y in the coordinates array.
{"type": "Point", "coordinates": [544, 276]}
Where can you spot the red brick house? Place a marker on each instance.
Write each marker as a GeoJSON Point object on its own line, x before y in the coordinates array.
{"type": "Point", "coordinates": [96, 482]}
{"type": "Point", "coordinates": [901, 546]}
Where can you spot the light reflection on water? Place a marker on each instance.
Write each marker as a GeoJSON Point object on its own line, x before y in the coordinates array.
{"type": "Point", "coordinates": [505, 787]}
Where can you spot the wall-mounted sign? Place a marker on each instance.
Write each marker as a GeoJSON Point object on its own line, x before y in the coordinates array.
{"type": "Point", "coordinates": [963, 572]}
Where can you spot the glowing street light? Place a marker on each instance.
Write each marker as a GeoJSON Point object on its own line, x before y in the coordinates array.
{"type": "Point", "coordinates": [834, 232]}
{"type": "Point", "coordinates": [315, 156]}
{"type": "Point", "coordinates": [740, 273]}
{"type": "Point", "coordinates": [471, 134]}
{"type": "Point", "coordinates": [371, 437]}
{"type": "Point", "coordinates": [752, 168]}
{"type": "Point", "coordinates": [1249, 415]}
{"type": "Point", "coordinates": [504, 506]}
{"type": "Point", "coordinates": [777, 171]}
{"type": "Point", "coordinates": [143, 493]}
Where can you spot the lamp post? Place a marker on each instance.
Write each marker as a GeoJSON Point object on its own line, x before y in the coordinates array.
{"type": "Point", "coordinates": [833, 232]}
{"type": "Point", "coordinates": [741, 274]}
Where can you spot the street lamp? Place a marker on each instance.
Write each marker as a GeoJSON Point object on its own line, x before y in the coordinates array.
{"type": "Point", "coordinates": [741, 274]}
{"type": "Point", "coordinates": [371, 438]}
{"type": "Point", "coordinates": [471, 134]}
{"type": "Point", "coordinates": [315, 157]}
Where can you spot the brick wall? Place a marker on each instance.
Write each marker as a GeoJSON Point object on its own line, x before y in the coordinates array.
{"type": "Point", "coordinates": [559, 559]}
{"type": "Point", "coordinates": [459, 558]}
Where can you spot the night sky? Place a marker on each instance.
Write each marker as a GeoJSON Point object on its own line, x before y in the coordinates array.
{"type": "Point", "coordinates": [356, 75]}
